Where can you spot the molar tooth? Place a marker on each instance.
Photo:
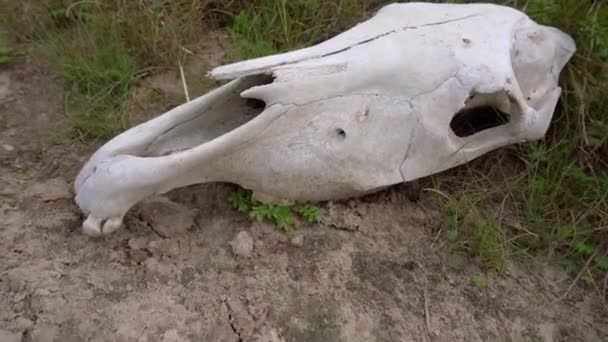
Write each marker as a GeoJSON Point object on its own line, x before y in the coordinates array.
{"type": "Point", "coordinates": [92, 226]}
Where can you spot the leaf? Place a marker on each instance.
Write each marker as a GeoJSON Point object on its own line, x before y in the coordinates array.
{"type": "Point", "coordinates": [603, 263]}
{"type": "Point", "coordinates": [240, 200]}
{"type": "Point", "coordinates": [308, 212]}
{"type": "Point", "coordinates": [260, 213]}
{"type": "Point", "coordinates": [59, 13]}
{"type": "Point", "coordinates": [584, 249]}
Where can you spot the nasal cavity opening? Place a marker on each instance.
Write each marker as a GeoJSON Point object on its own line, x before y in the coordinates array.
{"type": "Point", "coordinates": [480, 113]}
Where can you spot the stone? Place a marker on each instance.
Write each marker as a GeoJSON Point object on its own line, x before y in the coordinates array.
{"type": "Point", "coordinates": [167, 218]}
{"type": "Point", "coordinates": [242, 245]}
{"type": "Point", "coordinates": [45, 334]}
{"type": "Point", "coordinates": [172, 336]}
{"type": "Point", "coordinates": [6, 336]}
{"type": "Point", "coordinates": [23, 323]}
{"type": "Point", "coordinates": [297, 240]}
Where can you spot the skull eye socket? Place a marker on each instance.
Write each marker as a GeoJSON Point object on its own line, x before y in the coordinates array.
{"type": "Point", "coordinates": [470, 121]}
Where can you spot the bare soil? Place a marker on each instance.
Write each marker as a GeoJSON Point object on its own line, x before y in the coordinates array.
{"type": "Point", "coordinates": [371, 270]}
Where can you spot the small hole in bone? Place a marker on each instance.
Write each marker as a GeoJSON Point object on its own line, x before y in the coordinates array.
{"type": "Point", "coordinates": [341, 133]}
{"type": "Point", "coordinates": [470, 121]}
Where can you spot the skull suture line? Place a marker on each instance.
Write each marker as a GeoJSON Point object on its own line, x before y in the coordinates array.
{"type": "Point", "coordinates": [417, 89]}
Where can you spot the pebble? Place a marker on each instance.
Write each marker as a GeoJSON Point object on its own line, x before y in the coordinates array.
{"type": "Point", "coordinates": [6, 336]}
{"type": "Point", "coordinates": [298, 240]}
{"type": "Point", "coordinates": [8, 147]}
{"type": "Point", "coordinates": [23, 323]}
{"type": "Point", "coordinates": [172, 336]}
{"type": "Point", "coordinates": [242, 245]}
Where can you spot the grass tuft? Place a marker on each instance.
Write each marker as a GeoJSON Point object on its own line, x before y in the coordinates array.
{"type": "Point", "coordinates": [98, 78]}
{"type": "Point", "coordinates": [6, 53]}
{"type": "Point", "coordinates": [262, 27]}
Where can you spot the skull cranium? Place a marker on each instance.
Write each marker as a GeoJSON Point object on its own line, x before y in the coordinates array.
{"type": "Point", "coordinates": [417, 89]}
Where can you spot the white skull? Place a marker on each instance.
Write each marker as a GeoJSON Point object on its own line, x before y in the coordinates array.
{"type": "Point", "coordinates": [415, 90]}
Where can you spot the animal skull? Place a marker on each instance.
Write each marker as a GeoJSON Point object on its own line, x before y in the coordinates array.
{"type": "Point", "coordinates": [417, 89]}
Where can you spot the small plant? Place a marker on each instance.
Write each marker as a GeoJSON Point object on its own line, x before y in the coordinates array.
{"type": "Point", "coordinates": [281, 215]}
{"type": "Point", "coordinates": [5, 51]}
{"type": "Point", "coordinates": [479, 281]}
{"type": "Point", "coordinates": [470, 229]}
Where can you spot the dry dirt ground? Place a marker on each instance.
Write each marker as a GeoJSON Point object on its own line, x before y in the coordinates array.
{"type": "Point", "coordinates": [187, 267]}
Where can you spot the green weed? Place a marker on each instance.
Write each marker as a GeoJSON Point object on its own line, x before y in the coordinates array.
{"type": "Point", "coordinates": [479, 281]}
{"type": "Point", "coordinates": [281, 216]}
{"type": "Point", "coordinates": [5, 50]}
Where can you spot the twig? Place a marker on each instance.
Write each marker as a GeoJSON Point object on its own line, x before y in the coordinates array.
{"type": "Point", "coordinates": [604, 289]}
{"type": "Point", "coordinates": [186, 50]}
{"type": "Point", "coordinates": [436, 237]}
{"type": "Point", "coordinates": [68, 11]}
{"type": "Point", "coordinates": [9, 100]}
{"type": "Point", "coordinates": [427, 314]}
{"type": "Point", "coordinates": [181, 72]}
{"type": "Point", "coordinates": [582, 110]}
{"type": "Point", "coordinates": [439, 193]}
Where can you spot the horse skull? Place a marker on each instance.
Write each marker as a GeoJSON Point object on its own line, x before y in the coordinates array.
{"type": "Point", "coordinates": [417, 89]}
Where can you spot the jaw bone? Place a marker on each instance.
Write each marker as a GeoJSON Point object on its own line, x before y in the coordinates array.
{"type": "Point", "coordinates": [415, 90]}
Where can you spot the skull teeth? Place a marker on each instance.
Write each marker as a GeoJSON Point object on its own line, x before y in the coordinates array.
{"type": "Point", "coordinates": [94, 226]}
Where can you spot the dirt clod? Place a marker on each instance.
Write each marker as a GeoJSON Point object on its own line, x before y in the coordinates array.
{"type": "Point", "coordinates": [172, 336]}
{"type": "Point", "coordinates": [51, 190]}
{"type": "Point", "coordinates": [45, 334]}
{"type": "Point", "coordinates": [297, 240]}
{"type": "Point", "coordinates": [23, 323]}
{"type": "Point", "coordinates": [242, 245]}
{"type": "Point", "coordinates": [165, 217]}
{"type": "Point", "coordinates": [6, 336]}
{"type": "Point", "coordinates": [341, 216]}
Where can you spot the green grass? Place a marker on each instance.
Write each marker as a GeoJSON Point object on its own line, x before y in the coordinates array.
{"type": "Point", "coordinates": [100, 49]}
{"type": "Point", "coordinates": [262, 27]}
{"type": "Point", "coordinates": [98, 78]}
{"type": "Point", "coordinates": [479, 282]}
{"type": "Point", "coordinates": [6, 53]}
{"type": "Point", "coordinates": [282, 216]}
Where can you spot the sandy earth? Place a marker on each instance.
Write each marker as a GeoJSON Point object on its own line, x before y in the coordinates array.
{"type": "Point", "coordinates": [187, 267]}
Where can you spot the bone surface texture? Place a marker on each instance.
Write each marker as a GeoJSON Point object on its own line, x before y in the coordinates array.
{"type": "Point", "coordinates": [415, 90]}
